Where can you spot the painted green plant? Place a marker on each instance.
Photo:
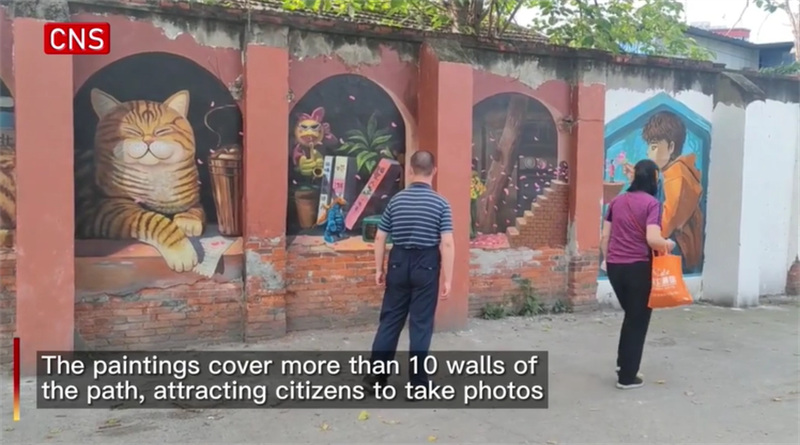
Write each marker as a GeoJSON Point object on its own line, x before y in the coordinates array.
{"type": "Point", "coordinates": [368, 145]}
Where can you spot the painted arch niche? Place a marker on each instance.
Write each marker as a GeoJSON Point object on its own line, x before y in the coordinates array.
{"type": "Point", "coordinates": [345, 156]}
{"type": "Point", "coordinates": [8, 183]}
{"type": "Point", "coordinates": [158, 163]}
{"type": "Point", "coordinates": [514, 160]}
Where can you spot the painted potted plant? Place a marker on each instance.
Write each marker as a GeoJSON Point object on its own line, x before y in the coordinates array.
{"type": "Point", "coordinates": [310, 134]}
{"type": "Point", "coordinates": [476, 189]}
{"type": "Point", "coordinates": [306, 192]}
{"type": "Point", "coordinates": [369, 145]}
{"type": "Point", "coordinates": [611, 188]}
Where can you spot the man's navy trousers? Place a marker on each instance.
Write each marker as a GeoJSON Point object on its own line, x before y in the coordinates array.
{"type": "Point", "coordinates": [412, 291]}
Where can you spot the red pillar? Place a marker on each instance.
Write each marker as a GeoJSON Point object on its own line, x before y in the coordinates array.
{"type": "Point", "coordinates": [445, 129]}
{"type": "Point", "coordinates": [266, 111]}
{"type": "Point", "coordinates": [45, 200]}
{"type": "Point", "coordinates": [586, 192]}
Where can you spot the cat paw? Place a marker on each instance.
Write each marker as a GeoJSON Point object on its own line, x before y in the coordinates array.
{"type": "Point", "coordinates": [180, 258]}
{"type": "Point", "coordinates": [189, 224]}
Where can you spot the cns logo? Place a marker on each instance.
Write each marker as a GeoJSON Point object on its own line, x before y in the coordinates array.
{"type": "Point", "coordinates": [77, 38]}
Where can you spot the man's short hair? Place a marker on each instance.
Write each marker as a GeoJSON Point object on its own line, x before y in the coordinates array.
{"type": "Point", "coordinates": [422, 163]}
{"type": "Point", "coordinates": [666, 126]}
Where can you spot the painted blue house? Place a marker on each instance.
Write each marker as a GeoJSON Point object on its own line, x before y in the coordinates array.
{"type": "Point", "coordinates": [624, 144]}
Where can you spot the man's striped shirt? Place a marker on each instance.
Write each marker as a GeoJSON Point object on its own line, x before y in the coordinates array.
{"type": "Point", "coordinates": [417, 217]}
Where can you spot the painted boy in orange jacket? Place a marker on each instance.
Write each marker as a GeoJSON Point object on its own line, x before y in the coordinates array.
{"type": "Point", "coordinates": [681, 217]}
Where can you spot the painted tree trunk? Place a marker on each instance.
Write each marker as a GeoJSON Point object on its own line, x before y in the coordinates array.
{"type": "Point", "coordinates": [473, 217]}
{"type": "Point", "coordinates": [498, 172]}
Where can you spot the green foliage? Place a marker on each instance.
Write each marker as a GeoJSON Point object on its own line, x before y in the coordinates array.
{"type": "Point", "coordinates": [526, 302]}
{"type": "Point", "coordinates": [785, 70]}
{"type": "Point", "coordinates": [767, 5]}
{"type": "Point", "coordinates": [653, 25]}
{"type": "Point", "coordinates": [494, 311]}
{"type": "Point", "coordinates": [369, 145]}
{"type": "Point", "coordinates": [561, 307]}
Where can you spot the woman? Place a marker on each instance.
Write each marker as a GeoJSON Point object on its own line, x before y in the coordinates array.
{"type": "Point", "coordinates": [631, 232]}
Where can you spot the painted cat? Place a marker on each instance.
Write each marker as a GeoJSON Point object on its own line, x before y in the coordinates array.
{"type": "Point", "coordinates": [8, 195]}
{"type": "Point", "coordinates": [141, 180]}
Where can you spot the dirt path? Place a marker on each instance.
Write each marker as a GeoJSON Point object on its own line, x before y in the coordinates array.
{"type": "Point", "coordinates": [714, 375]}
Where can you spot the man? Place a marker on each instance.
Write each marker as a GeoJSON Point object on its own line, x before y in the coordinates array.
{"type": "Point", "coordinates": [421, 224]}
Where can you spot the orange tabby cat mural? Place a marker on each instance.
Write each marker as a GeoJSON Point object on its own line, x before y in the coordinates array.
{"type": "Point", "coordinates": [141, 180]}
{"type": "Point", "coordinates": [8, 185]}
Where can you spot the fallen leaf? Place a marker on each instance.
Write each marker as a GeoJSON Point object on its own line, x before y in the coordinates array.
{"type": "Point", "coordinates": [363, 416]}
{"type": "Point", "coordinates": [661, 382]}
{"type": "Point", "coordinates": [112, 421]}
{"type": "Point", "coordinates": [324, 426]}
{"type": "Point", "coordinates": [9, 429]}
{"type": "Point", "coordinates": [776, 399]}
{"type": "Point", "coordinates": [390, 422]}
{"type": "Point", "coordinates": [431, 438]}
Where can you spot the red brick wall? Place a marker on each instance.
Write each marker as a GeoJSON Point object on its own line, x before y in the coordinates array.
{"type": "Point", "coordinates": [327, 289]}
{"type": "Point", "coordinates": [546, 223]}
{"type": "Point", "coordinates": [582, 280]}
{"type": "Point", "coordinates": [265, 290]}
{"type": "Point", "coordinates": [793, 279]}
{"type": "Point", "coordinates": [179, 316]}
{"type": "Point", "coordinates": [8, 304]}
{"type": "Point", "coordinates": [492, 274]}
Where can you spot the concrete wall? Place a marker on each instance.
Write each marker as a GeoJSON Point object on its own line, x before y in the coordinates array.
{"type": "Point", "coordinates": [753, 220]}
{"type": "Point", "coordinates": [542, 122]}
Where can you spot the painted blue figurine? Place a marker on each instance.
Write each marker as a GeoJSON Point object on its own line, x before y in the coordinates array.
{"type": "Point", "coordinates": [333, 217]}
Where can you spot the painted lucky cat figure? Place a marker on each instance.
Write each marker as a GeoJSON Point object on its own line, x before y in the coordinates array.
{"type": "Point", "coordinates": [141, 179]}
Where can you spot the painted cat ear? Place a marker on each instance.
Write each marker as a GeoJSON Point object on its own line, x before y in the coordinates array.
{"type": "Point", "coordinates": [179, 102]}
{"type": "Point", "coordinates": [318, 114]}
{"type": "Point", "coordinates": [102, 102]}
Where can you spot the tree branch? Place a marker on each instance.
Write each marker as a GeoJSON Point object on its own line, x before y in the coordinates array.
{"type": "Point", "coordinates": [741, 15]}
{"type": "Point", "coordinates": [511, 17]}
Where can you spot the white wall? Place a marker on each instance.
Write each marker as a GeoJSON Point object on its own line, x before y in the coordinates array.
{"type": "Point", "coordinates": [769, 194]}
{"type": "Point", "coordinates": [722, 268]}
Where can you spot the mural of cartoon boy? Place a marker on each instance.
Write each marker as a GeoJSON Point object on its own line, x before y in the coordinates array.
{"type": "Point", "coordinates": [681, 217]}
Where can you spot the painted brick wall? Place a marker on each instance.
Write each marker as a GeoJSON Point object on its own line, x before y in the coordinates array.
{"type": "Point", "coordinates": [205, 311]}
{"type": "Point", "coordinates": [545, 225]}
{"type": "Point", "coordinates": [8, 305]}
{"type": "Point", "coordinates": [492, 275]}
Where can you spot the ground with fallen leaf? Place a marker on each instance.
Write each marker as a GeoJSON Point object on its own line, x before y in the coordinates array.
{"type": "Point", "coordinates": [713, 375]}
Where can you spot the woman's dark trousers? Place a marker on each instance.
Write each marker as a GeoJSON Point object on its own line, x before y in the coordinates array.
{"type": "Point", "coordinates": [631, 283]}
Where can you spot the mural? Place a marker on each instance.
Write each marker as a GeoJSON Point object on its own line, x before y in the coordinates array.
{"type": "Point", "coordinates": [158, 160]}
{"type": "Point", "coordinates": [346, 158]}
{"type": "Point", "coordinates": [8, 186]}
{"type": "Point", "coordinates": [514, 159]}
{"type": "Point", "coordinates": [678, 140]}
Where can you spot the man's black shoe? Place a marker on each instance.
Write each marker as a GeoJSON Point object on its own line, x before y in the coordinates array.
{"type": "Point", "coordinates": [371, 380]}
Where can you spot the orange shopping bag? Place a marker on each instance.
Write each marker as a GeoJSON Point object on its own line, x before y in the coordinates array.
{"type": "Point", "coordinates": [668, 289]}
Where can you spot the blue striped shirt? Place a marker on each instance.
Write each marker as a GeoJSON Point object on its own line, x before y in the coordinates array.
{"type": "Point", "coordinates": [417, 217]}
